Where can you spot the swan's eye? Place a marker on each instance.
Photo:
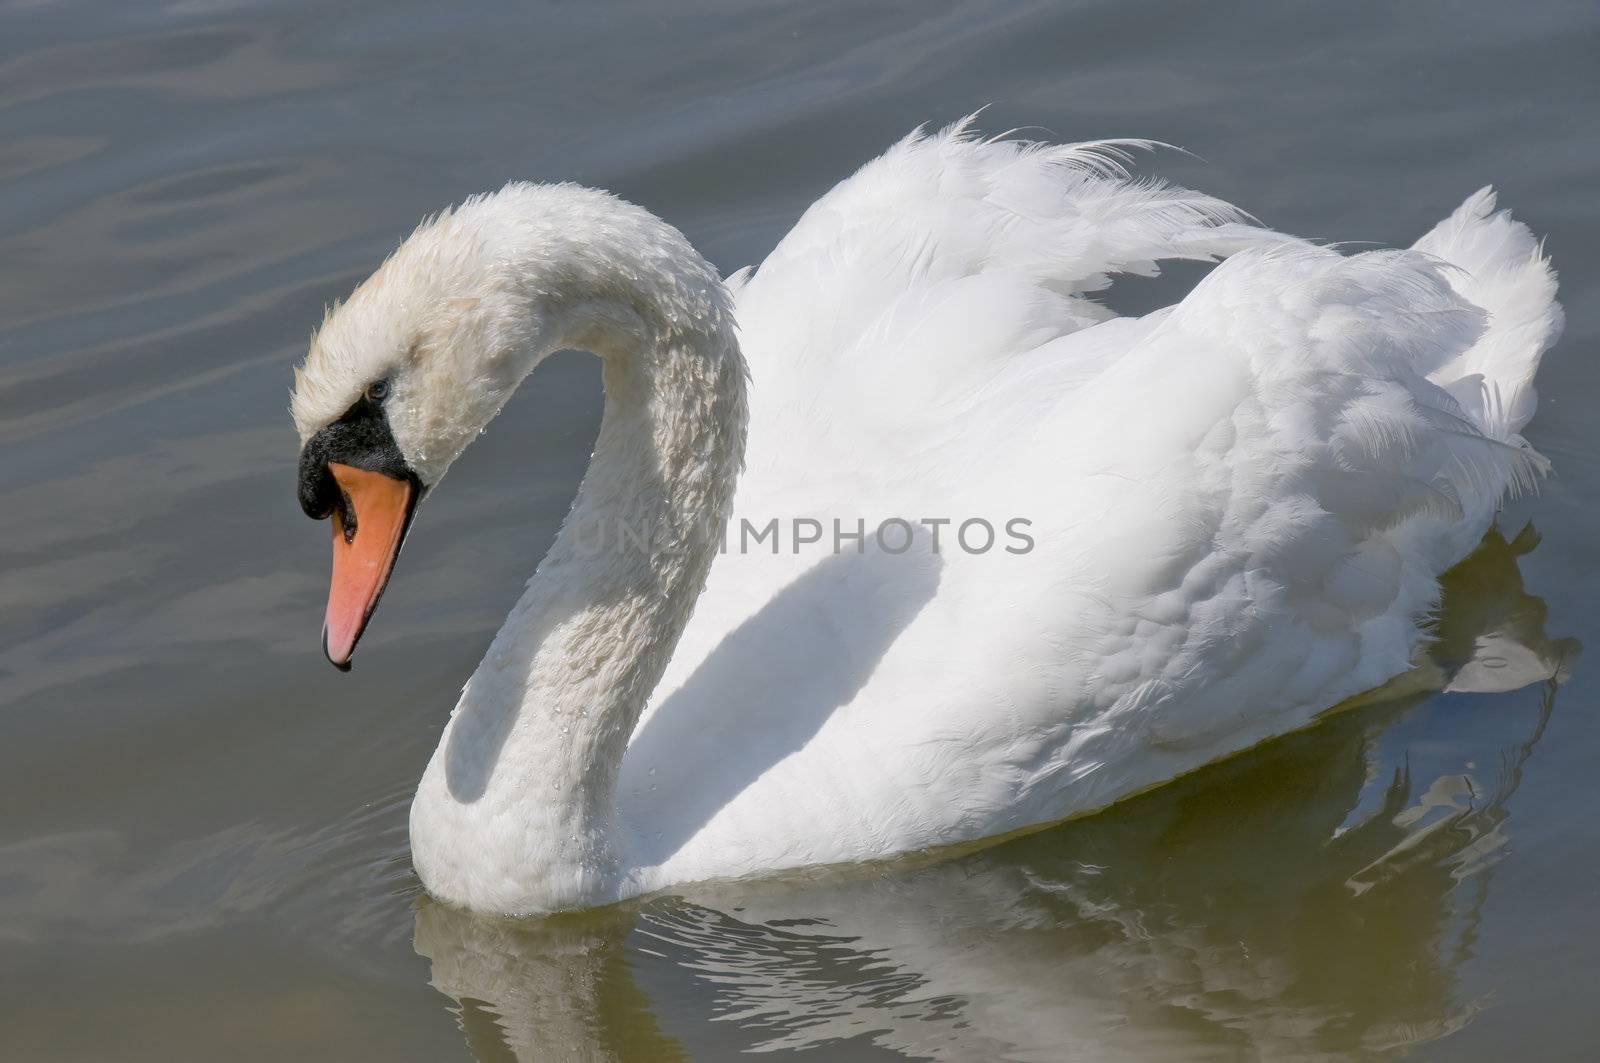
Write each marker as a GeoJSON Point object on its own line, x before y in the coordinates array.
{"type": "Point", "coordinates": [377, 391]}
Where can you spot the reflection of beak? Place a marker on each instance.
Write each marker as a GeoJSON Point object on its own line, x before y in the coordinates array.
{"type": "Point", "coordinates": [368, 528]}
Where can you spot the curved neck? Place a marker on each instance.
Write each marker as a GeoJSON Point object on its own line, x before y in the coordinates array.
{"type": "Point", "coordinates": [516, 812]}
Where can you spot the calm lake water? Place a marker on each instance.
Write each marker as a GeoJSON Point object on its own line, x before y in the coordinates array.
{"type": "Point", "coordinates": [203, 827]}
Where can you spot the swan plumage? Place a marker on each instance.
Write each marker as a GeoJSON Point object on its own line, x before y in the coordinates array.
{"type": "Point", "coordinates": [1236, 509]}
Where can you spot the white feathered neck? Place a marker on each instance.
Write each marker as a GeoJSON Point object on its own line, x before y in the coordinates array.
{"type": "Point", "coordinates": [525, 772]}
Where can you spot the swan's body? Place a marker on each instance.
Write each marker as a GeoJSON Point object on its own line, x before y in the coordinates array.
{"type": "Point", "coordinates": [1235, 509]}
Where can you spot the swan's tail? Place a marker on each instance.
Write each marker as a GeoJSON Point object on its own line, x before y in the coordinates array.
{"type": "Point", "coordinates": [1501, 269]}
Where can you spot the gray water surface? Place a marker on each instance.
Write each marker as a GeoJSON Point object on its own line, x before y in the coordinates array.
{"type": "Point", "coordinates": [203, 826]}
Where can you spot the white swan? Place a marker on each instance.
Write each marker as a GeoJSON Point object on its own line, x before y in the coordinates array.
{"type": "Point", "coordinates": [1233, 512]}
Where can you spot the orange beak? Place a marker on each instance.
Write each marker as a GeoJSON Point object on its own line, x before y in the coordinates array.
{"type": "Point", "coordinates": [367, 532]}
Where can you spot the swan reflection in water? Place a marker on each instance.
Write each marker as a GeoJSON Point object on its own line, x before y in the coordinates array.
{"type": "Point", "coordinates": [1313, 897]}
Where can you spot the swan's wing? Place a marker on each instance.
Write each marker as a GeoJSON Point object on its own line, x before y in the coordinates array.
{"type": "Point", "coordinates": [1240, 522]}
{"type": "Point", "coordinates": [949, 205]}
{"type": "Point", "coordinates": [1001, 239]}
{"type": "Point", "coordinates": [1267, 486]}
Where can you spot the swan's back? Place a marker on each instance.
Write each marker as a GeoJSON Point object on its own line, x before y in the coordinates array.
{"type": "Point", "coordinates": [1238, 508]}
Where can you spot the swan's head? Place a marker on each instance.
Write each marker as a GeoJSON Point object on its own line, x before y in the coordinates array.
{"type": "Point", "coordinates": [409, 370]}
{"type": "Point", "coordinates": [396, 383]}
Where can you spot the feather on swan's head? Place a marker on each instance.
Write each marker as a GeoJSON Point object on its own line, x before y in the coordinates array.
{"type": "Point", "coordinates": [424, 326]}
{"type": "Point", "coordinates": [379, 328]}
{"type": "Point", "coordinates": [476, 296]}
